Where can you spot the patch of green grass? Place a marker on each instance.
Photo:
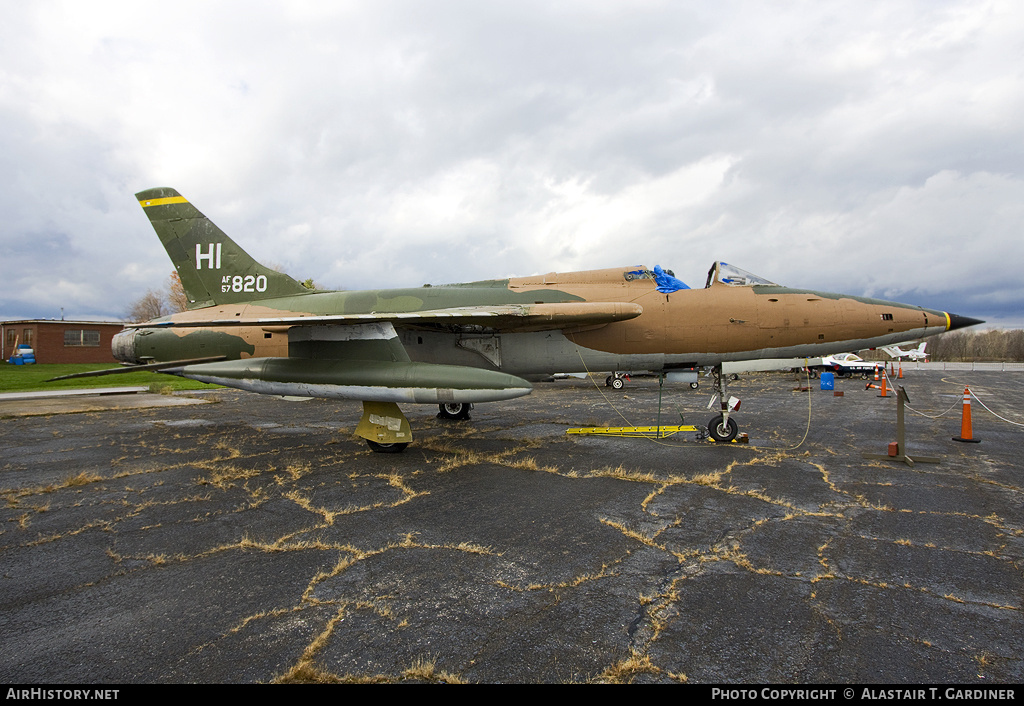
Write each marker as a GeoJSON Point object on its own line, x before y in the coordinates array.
{"type": "Point", "coordinates": [29, 378]}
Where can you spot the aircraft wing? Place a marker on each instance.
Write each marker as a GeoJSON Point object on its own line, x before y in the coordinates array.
{"type": "Point", "coordinates": [505, 317]}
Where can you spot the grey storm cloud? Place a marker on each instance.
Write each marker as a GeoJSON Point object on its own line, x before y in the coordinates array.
{"type": "Point", "coordinates": [871, 148]}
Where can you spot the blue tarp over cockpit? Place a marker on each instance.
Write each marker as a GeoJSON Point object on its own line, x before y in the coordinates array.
{"type": "Point", "coordinates": [666, 282]}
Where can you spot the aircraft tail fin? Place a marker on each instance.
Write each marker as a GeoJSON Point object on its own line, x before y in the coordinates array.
{"type": "Point", "coordinates": [212, 267]}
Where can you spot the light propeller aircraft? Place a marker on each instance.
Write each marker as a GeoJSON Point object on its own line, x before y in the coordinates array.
{"type": "Point", "coordinates": [250, 327]}
{"type": "Point", "coordinates": [913, 353]}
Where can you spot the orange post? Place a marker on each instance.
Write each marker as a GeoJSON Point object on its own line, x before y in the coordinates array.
{"type": "Point", "coordinates": [966, 431]}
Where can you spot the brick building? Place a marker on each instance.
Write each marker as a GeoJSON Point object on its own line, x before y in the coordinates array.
{"type": "Point", "coordinates": [60, 341]}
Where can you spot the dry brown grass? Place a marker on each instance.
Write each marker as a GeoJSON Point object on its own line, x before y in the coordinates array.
{"type": "Point", "coordinates": [624, 671]}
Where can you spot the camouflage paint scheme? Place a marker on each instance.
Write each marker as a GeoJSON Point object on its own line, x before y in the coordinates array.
{"type": "Point", "coordinates": [463, 343]}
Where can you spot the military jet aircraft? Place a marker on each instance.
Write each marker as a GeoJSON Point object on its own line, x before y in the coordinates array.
{"type": "Point", "coordinates": [250, 327]}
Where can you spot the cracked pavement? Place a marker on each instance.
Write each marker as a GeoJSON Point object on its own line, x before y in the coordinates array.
{"type": "Point", "coordinates": [254, 539]}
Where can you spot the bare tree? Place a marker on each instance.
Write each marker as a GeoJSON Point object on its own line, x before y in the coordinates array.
{"type": "Point", "coordinates": [154, 304]}
{"type": "Point", "coordinates": [1015, 345]}
{"type": "Point", "coordinates": [176, 298]}
{"type": "Point", "coordinates": [149, 306]}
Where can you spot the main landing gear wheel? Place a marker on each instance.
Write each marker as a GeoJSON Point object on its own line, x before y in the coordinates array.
{"type": "Point", "coordinates": [616, 383]}
{"type": "Point", "coordinates": [389, 448]}
{"type": "Point", "coordinates": [722, 431]}
{"type": "Point", "coordinates": [454, 410]}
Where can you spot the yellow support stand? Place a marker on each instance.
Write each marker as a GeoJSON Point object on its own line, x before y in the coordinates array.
{"type": "Point", "coordinates": [384, 423]}
{"type": "Point", "coordinates": [638, 432]}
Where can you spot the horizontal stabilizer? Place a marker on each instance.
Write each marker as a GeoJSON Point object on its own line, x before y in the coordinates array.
{"type": "Point", "coordinates": [151, 367]}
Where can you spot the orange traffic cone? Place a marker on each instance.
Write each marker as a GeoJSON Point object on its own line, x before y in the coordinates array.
{"type": "Point", "coordinates": [869, 386]}
{"type": "Point", "coordinates": [876, 373]}
{"type": "Point", "coordinates": [965, 421]}
{"type": "Point", "coordinates": [901, 372]}
{"type": "Point", "coordinates": [885, 388]}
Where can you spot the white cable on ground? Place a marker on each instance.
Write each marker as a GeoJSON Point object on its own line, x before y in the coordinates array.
{"type": "Point", "coordinates": [590, 375]}
{"type": "Point", "coordinates": [807, 431]}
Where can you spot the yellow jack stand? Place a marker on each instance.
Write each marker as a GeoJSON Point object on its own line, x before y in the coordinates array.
{"type": "Point", "coordinates": [384, 427]}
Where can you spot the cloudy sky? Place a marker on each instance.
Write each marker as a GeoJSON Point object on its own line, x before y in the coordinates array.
{"type": "Point", "coordinates": [870, 148]}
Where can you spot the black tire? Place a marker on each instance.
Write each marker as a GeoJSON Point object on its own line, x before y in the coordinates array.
{"type": "Point", "coordinates": [720, 431]}
{"type": "Point", "coordinates": [618, 383]}
{"type": "Point", "coordinates": [694, 385]}
{"type": "Point", "coordinates": [608, 381]}
{"type": "Point", "coordinates": [386, 448]}
{"type": "Point", "coordinates": [453, 410]}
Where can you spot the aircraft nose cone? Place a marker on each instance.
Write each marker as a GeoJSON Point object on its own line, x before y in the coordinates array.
{"type": "Point", "coordinates": [956, 321]}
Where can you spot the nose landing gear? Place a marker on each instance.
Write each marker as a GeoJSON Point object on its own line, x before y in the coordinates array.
{"type": "Point", "coordinates": [723, 428]}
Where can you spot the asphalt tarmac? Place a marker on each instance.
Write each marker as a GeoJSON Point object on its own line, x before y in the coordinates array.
{"type": "Point", "coordinates": [253, 539]}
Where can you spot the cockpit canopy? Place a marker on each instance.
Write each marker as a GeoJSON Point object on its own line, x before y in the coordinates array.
{"type": "Point", "coordinates": [720, 272]}
{"type": "Point", "coordinates": [735, 277]}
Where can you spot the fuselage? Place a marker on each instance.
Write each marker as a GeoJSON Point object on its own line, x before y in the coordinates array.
{"type": "Point", "coordinates": [681, 328]}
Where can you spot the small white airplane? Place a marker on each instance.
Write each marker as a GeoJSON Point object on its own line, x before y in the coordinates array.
{"type": "Point", "coordinates": [850, 364]}
{"type": "Point", "coordinates": [914, 353]}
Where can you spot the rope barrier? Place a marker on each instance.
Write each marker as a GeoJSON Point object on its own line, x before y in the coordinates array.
{"type": "Point", "coordinates": [958, 403]}
{"type": "Point", "coordinates": [1008, 421]}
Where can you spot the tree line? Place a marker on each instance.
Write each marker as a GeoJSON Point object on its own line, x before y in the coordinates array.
{"type": "Point", "coordinates": [997, 345]}
{"type": "Point", "coordinates": [994, 345]}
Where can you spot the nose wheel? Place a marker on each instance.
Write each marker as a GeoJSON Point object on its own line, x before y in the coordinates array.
{"type": "Point", "coordinates": [722, 427]}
